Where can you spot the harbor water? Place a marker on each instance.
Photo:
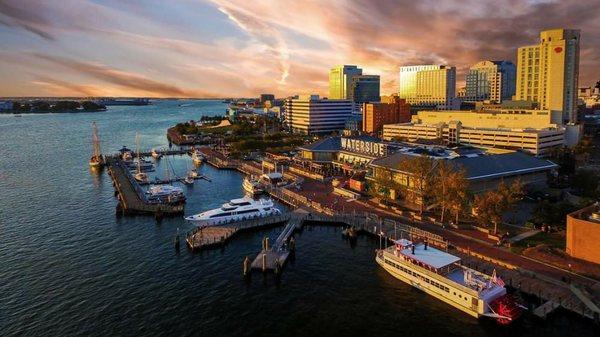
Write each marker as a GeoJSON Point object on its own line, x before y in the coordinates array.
{"type": "Point", "coordinates": [70, 267]}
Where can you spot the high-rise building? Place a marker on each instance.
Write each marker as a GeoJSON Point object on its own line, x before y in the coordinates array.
{"type": "Point", "coordinates": [548, 72]}
{"type": "Point", "coordinates": [340, 80]}
{"type": "Point", "coordinates": [309, 114]}
{"type": "Point", "coordinates": [266, 97]}
{"type": "Point", "coordinates": [491, 81]}
{"type": "Point", "coordinates": [391, 110]}
{"type": "Point", "coordinates": [364, 88]}
{"type": "Point", "coordinates": [432, 86]}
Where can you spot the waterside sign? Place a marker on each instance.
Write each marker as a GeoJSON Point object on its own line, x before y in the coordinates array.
{"type": "Point", "coordinates": [367, 147]}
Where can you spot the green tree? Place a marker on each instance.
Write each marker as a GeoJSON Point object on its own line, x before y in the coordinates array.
{"type": "Point", "coordinates": [489, 208]}
{"type": "Point", "coordinates": [585, 183]}
{"type": "Point", "coordinates": [420, 170]}
{"type": "Point", "coordinates": [382, 186]}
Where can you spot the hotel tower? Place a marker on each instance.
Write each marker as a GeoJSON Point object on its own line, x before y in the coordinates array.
{"type": "Point", "coordinates": [547, 73]}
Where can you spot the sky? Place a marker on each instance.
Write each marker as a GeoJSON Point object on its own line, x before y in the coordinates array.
{"type": "Point", "coordinates": [220, 48]}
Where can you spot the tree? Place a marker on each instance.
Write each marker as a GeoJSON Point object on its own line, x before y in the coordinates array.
{"type": "Point", "coordinates": [488, 208]}
{"type": "Point", "coordinates": [511, 194]}
{"type": "Point", "coordinates": [441, 188]}
{"type": "Point", "coordinates": [382, 186]}
{"type": "Point", "coordinates": [420, 171]}
{"type": "Point", "coordinates": [554, 214]}
{"type": "Point", "coordinates": [585, 183]}
{"type": "Point", "coordinates": [459, 192]}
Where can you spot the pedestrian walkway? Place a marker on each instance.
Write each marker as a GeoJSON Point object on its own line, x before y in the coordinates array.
{"type": "Point", "coordinates": [524, 236]}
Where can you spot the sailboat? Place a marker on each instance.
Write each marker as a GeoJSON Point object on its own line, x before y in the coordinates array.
{"type": "Point", "coordinates": [166, 193]}
{"type": "Point", "coordinates": [139, 175]}
{"type": "Point", "coordinates": [191, 174]}
{"type": "Point", "coordinates": [96, 160]}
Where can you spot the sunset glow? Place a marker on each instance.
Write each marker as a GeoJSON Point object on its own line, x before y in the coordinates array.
{"type": "Point", "coordinates": [225, 48]}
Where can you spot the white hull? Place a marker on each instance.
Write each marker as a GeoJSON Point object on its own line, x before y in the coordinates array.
{"type": "Point", "coordinates": [425, 288]}
{"type": "Point", "coordinates": [236, 210]}
{"type": "Point", "coordinates": [461, 287]}
{"type": "Point", "coordinates": [234, 218]}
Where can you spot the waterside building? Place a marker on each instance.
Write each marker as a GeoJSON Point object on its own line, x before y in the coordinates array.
{"type": "Point", "coordinates": [310, 114]}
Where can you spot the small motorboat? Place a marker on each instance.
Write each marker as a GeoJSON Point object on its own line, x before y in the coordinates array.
{"type": "Point", "coordinates": [193, 174]}
{"type": "Point", "coordinates": [155, 154]}
{"type": "Point", "coordinates": [188, 180]}
{"type": "Point", "coordinates": [142, 177]}
{"type": "Point", "coordinates": [197, 158]}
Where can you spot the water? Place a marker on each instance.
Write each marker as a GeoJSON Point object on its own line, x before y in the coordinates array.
{"type": "Point", "coordinates": [69, 267]}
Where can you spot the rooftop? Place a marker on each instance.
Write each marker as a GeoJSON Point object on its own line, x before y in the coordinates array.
{"type": "Point", "coordinates": [477, 164]}
{"type": "Point", "coordinates": [432, 257]}
{"type": "Point", "coordinates": [334, 144]}
{"type": "Point", "coordinates": [590, 213]}
{"type": "Point", "coordinates": [329, 144]}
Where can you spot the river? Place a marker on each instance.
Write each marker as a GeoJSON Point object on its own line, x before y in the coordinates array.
{"type": "Point", "coordinates": [70, 267]}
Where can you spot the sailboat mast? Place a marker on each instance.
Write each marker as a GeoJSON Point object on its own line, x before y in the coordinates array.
{"type": "Point", "coordinates": [95, 140]}
{"type": "Point", "coordinates": [137, 149]}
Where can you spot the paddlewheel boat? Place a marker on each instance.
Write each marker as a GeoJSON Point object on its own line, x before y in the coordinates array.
{"type": "Point", "coordinates": [442, 276]}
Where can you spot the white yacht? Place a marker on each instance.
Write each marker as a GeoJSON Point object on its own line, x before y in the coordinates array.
{"type": "Point", "coordinates": [442, 276]}
{"type": "Point", "coordinates": [235, 210]}
{"type": "Point", "coordinates": [165, 193]}
{"type": "Point", "coordinates": [252, 186]}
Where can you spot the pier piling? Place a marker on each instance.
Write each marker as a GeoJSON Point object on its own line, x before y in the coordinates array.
{"type": "Point", "coordinates": [246, 266]}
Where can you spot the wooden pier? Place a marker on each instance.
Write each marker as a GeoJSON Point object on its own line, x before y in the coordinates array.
{"type": "Point", "coordinates": [215, 236]}
{"type": "Point", "coordinates": [274, 258]}
{"type": "Point", "coordinates": [132, 198]}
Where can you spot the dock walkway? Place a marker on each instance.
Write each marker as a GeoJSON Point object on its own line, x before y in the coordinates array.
{"type": "Point", "coordinates": [132, 198]}
{"type": "Point", "coordinates": [274, 258]}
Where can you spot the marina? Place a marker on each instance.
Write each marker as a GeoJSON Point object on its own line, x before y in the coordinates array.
{"type": "Point", "coordinates": [273, 257]}
{"type": "Point", "coordinates": [139, 253]}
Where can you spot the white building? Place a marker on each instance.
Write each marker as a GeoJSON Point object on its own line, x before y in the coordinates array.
{"type": "Point", "coordinates": [309, 114]}
{"type": "Point", "coordinates": [491, 81]}
{"type": "Point", "coordinates": [535, 131]}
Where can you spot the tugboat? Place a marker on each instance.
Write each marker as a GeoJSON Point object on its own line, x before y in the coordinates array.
{"type": "Point", "coordinates": [442, 276]}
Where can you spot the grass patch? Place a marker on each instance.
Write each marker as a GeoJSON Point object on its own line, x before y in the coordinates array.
{"type": "Point", "coordinates": [555, 239]}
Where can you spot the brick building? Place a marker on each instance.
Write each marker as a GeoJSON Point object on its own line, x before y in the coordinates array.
{"type": "Point", "coordinates": [583, 233]}
{"type": "Point", "coordinates": [391, 110]}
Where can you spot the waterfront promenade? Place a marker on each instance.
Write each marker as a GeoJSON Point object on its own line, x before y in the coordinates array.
{"type": "Point", "coordinates": [551, 285]}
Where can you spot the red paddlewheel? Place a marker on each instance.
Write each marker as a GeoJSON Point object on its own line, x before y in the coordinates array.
{"type": "Point", "coordinates": [508, 307]}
